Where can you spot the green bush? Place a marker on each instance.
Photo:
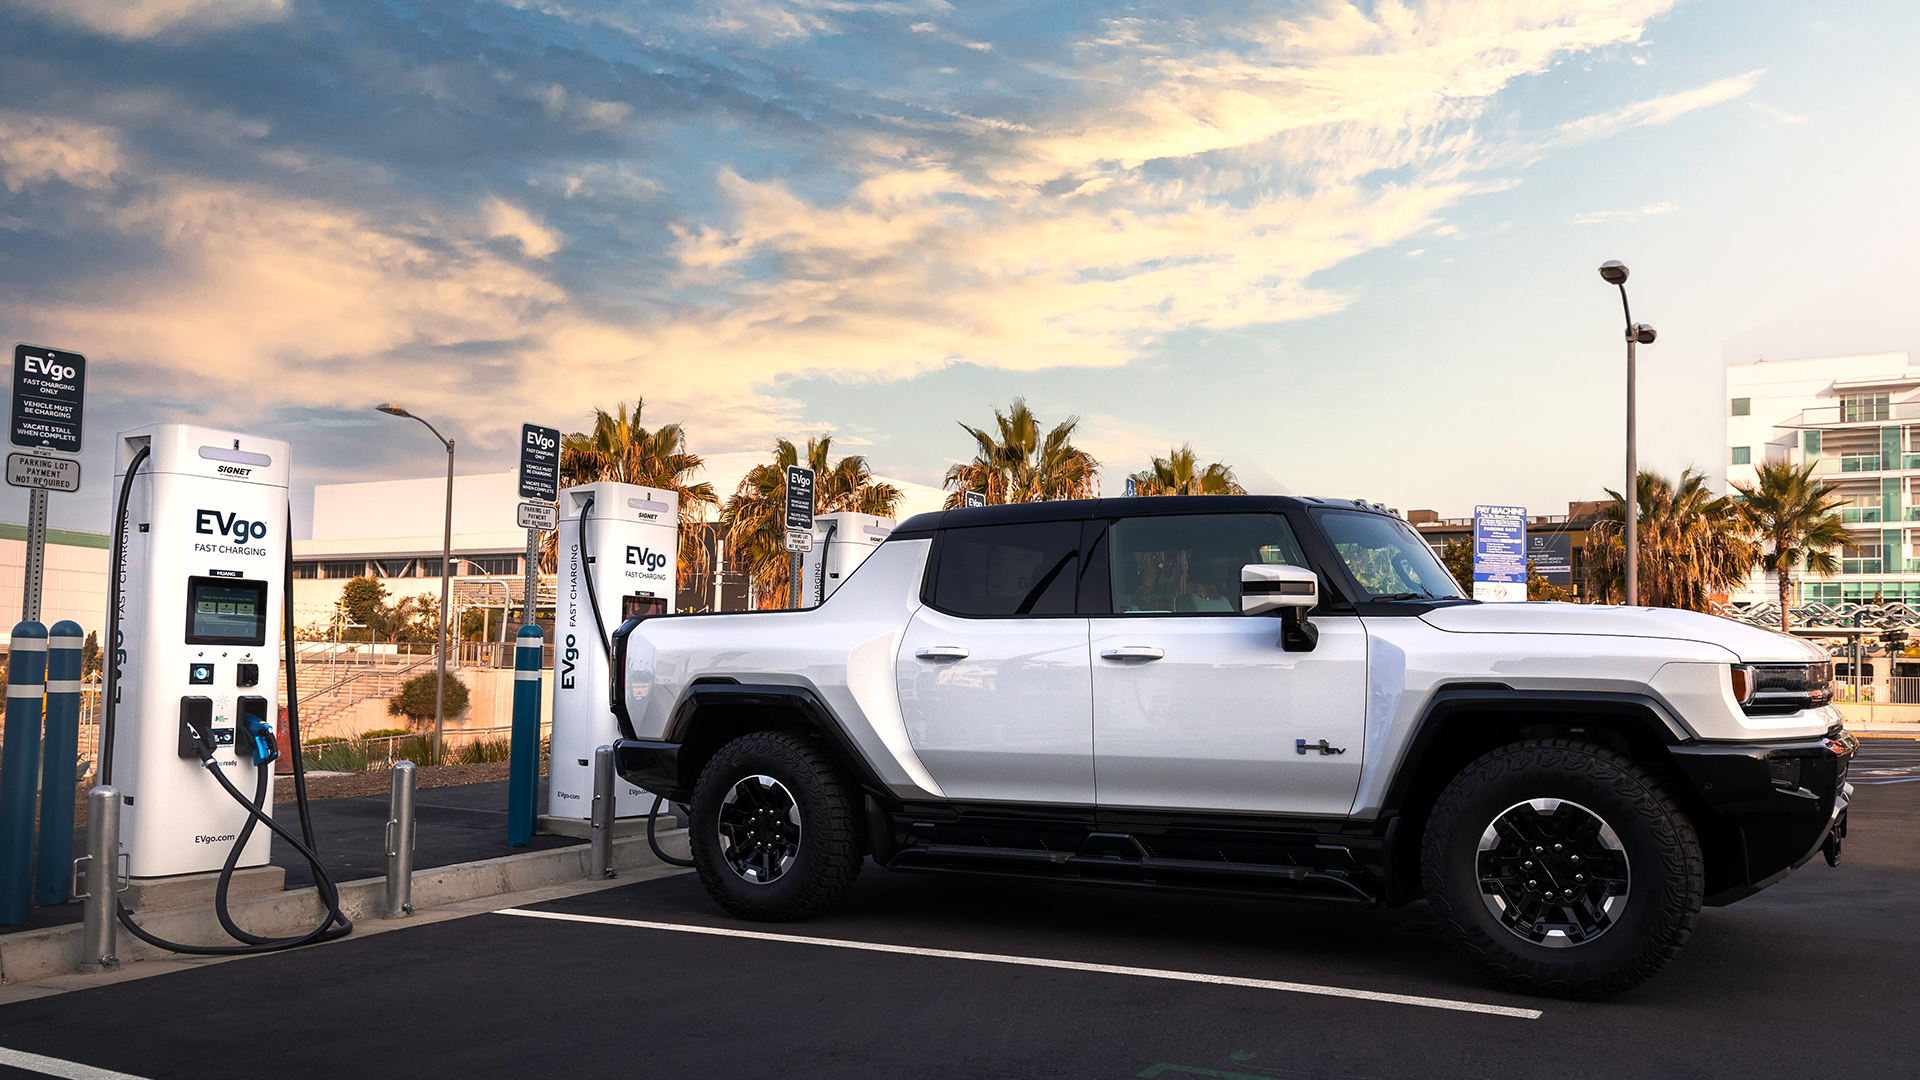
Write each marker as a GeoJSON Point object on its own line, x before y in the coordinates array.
{"type": "Point", "coordinates": [336, 755]}
{"type": "Point", "coordinates": [415, 699]}
{"type": "Point", "coordinates": [482, 750]}
{"type": "Point", "coordinates": [385, 732]}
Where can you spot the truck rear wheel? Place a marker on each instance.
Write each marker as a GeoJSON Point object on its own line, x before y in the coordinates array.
{"type": "Point", "coordinates": [774, 832]}
{"type": "Point", "coordinates": [1562, 868]}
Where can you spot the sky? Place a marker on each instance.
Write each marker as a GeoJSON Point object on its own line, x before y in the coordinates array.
{"type": "Point", "coordinates": [1349, 249]}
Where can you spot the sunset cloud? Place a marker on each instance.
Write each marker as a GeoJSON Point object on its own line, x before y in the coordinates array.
{"type": "Point", "coordinates": [531, 211]}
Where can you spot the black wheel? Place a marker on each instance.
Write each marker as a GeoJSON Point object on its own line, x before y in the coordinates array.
{"type": "Point", "coordinates": [774, 832]}
{"type": "Point", "coordinates": [1562, 868]}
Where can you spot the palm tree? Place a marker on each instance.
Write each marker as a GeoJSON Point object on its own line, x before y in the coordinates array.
{"type": "Point", "coordinates": [755, 517]}
{"type": "Point", "coordinates": [1794, 515]}
{"type": "Point", "coordinates": [619, 449]}
{"type": "Point", "coordinates": [1179, 474]}
{"type": "Point", "coordinates": [1693, 544]}
{"type": "Point", "coordinates": [1015, 464]}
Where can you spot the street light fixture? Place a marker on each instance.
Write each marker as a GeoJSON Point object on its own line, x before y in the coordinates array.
{"type": "Point", "coordinates": [446, 577]}
{"type": "Point", "coordinates": [1614, 272]}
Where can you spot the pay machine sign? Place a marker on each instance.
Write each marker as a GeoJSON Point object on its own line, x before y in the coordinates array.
{"type": "Point", "coordinates": [49, 393]}
{"type": "Point", "coordinates": [539, 464]}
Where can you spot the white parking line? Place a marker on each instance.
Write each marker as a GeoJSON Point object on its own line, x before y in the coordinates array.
{"type": "Point", "coordinates": [1043, 962]}
{"type": "Point", "coordinates": [46, 1066]}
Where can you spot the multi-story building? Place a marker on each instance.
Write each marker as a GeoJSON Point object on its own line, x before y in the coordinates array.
{"type": "Point", "coordinates": [1857, 420]}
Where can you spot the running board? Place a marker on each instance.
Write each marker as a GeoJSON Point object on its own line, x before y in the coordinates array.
{"type": "Point", "coordinates": [1118, 859]}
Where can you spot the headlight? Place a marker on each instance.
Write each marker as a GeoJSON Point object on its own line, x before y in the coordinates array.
{"type": "Point", "coordinates": [1782, 687]}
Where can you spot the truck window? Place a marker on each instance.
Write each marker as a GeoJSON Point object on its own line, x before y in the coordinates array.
{"type": "Point", "coordinates": [1386, 557]}
{"type": "Point", "coordinates": [1182, 565]}
{"type": "Point", "coordinates": [1025, 569]}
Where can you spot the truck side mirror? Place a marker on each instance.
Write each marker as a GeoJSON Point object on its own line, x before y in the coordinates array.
{"type": "Point", "coordinates": [1290, 592]}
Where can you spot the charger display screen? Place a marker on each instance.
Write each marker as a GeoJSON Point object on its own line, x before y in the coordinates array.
{"type": "Point", "coordinates": [226, 611]}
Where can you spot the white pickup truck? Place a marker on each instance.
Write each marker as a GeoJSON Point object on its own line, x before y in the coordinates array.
{"type": "Point", "coordinates": [1249, 696]}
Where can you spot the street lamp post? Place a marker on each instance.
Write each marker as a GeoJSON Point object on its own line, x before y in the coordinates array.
{"type": "Point", "coordinates": [446, 578]}
{"type": "Point", "coordinates": [1614, 272]}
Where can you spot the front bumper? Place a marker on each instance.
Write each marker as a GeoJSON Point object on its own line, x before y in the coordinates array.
{"type": "Point", "coordinates": [1775, 804]}
{"type": "Point", "coordinates": [654, 766]}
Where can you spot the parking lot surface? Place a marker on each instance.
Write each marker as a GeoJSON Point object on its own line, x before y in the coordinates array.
{"type": "Point", "coordinates": [1814, 976]}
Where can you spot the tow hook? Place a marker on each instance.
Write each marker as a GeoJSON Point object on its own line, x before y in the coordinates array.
{"type": "Point", "coordinates": [1835, 835]}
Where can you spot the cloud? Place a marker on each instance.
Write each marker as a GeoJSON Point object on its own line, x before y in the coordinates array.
{"type": "Point", "coordinates": [1598, 216]}
{"type": "Point", "coordinates": [710, 224]}
{"type": "Point", "coordinates": [509, 221]}
{"type": "Point", "coordinates": [36, 150]}
{"type": "Point", "coordinates": [1660, 110]}
{"type": "Point", "coordinates": [1775, 112]}
{"type": "Point", "coordinates": [137, 19]}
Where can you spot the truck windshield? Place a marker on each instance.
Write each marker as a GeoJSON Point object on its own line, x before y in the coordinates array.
{"type": "Point", "coordinates": [1388, 559]}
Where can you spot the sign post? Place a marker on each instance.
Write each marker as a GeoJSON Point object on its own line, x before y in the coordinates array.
{"type": "Point", "coordinates": [539, 483]}
{"type": "Point", "coordinates": [1500, 554]}
{"type": "Point", "coordinates": [49, 399]}
{"type": "Point", "coordinates": [799, 525]}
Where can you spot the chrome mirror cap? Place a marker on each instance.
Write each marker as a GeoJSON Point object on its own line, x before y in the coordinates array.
{"type": "Point", "coordinates": [1267, 588]}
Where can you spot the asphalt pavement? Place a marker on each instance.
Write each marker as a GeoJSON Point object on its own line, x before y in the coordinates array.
{"type": "Point", "coordinates": [1814, 976]}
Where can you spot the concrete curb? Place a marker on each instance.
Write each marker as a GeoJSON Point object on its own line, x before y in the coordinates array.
{"type": "Point", "coordinates": [55, 950]}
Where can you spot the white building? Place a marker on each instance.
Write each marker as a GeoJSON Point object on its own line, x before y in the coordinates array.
{"type": "Point", "coordinates": [75, 582]}
{"type": "Point", "coordinates": [1857, 419]}
{"type": "Point", "coordinates": [391, 530]}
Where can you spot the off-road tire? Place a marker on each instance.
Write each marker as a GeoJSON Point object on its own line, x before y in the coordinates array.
{"type": "Point", "coordinates": [1667, 872]}
{"type": "Point", "coordinates": [829, 854]}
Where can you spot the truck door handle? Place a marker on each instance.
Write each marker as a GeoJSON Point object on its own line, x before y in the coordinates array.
{"type": "Point", "coordinates": [1132, 652]}
{"type": "Point", "coordinates": [942, 652]}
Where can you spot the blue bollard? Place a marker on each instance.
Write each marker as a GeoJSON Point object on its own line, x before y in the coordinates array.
{"type": "Point", "coordinates": [523, 770]}
{"type": "Point", "coordinates": [53, 871]}
{"type": "Point", "coordinates": [19, 764]}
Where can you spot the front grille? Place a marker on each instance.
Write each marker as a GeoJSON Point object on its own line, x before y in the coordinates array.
{"type": "Point", "coordinates": [1791, 687]}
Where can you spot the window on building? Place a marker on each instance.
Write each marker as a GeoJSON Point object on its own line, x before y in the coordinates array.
{"type": "Point", "coordinates": [337, 570]}
{"type": "Point", "coordinates": [497, 565]}
{"type": "Point", "coordinates": [1743, 455]}
{"type": "Point", "coordinates": [306, 571]}
{"type": "Point", "coordinates": [393, 567]}
{"type": "Point", "coordinates": [1029, 569]}
{"type": "Point", "coordinates": [1810, 444]}
{"type": "Point", "coordinates": [1857, 407]}
{"type": "Point", "coordinates": [1742, 406]}
{"type": "Point", "coordinates": [429, 567]}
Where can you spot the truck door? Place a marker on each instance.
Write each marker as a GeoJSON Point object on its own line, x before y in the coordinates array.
{"type": "Point", "coordinates": [1196, 707]}
{"type": "Point", "coordinates": [993, 673]}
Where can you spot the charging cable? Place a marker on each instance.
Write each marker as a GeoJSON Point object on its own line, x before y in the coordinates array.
{"type": "Point", "coordinates": [256, 741]}
{"type": "Point", "coordinates": [600, 627]}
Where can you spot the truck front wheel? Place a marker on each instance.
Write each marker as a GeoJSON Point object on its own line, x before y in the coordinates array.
{"type": "Point", "coordinates": [774, 831]}
{"type": "Point", "coordinates": [1562, 868]}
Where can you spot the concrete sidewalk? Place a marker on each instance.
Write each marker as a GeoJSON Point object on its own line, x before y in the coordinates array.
{"type": "Point", "coordinates": [30, 957]}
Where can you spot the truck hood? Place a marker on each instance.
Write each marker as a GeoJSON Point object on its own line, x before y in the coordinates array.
{"type": "Point", "coordinates": [1750, 643]}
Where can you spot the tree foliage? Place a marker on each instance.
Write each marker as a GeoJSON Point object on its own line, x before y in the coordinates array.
{"type": "Point", "coordinates": [1014, 463]}
{"type": "Point", "coordinates": [408, 619]}
{"type": "Point", "coordinates": [755, 517]}
{"type": "Point", "coordinates": [620, 450]}
{"type": "Point", "coordinates": [1179, 474]}
{"type": "Point", "coordinates": [1793, 517]}
{"type": "Point", "coordinates": [1457, 557]}
{"type": "Point", "coordinates": [416, 696]}
{"type": "Point", "coordinates": [1693, 544]}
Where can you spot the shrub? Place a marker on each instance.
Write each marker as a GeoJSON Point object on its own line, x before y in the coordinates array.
{"type": "Point", "coordinates": [386, 732]}
{"type": "Point", "coordinates": [415, 699]}
{"type": "Point", "coordinates": [482, 750]}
